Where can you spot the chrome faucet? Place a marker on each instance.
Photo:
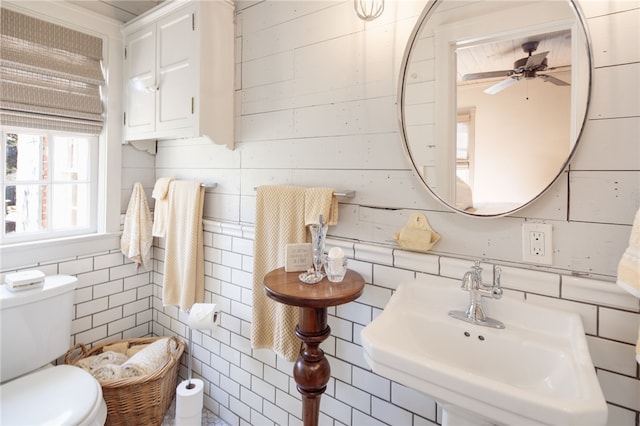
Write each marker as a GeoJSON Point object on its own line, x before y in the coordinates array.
{"type": "Point", "coordinates": [472, 282]}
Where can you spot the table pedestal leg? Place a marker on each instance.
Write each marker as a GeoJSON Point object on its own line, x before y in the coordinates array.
{"type": "Point", "coordinates": [312, 371]}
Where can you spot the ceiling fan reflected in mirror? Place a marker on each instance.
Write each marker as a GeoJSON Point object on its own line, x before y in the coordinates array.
{"type": "Point", "coordinates": [524, 68]}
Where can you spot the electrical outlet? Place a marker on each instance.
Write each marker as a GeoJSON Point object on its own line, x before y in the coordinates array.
{"type": "Point", "coordinates": [536, 243]}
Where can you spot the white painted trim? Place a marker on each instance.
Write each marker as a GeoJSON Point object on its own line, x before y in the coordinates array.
{"type": "Point", "coordinates": [530, 281]}
{"type": "Point", "coordinates": [152, 15]}
{"type": "Point", "coordinates": [32, 254]}
{"type": "Point", "coordinates": [148, 145]}
{"type": "Point", "coordinates": [374, 254]}
{"type": "Point", "coordinates": [519, 279]}
{"type": "Point", "coordinates": [68, 15]}
{"type": "Point", "coordinates": [160, 10]}
{"type": "Point", "coordinates": [598, 292]}
{"type": "Point", "coordinates": [231, 229]}
{"type": "Point", "coordinates": [420, 262]}
{"type": "Point", "coordinates": [345, 245]}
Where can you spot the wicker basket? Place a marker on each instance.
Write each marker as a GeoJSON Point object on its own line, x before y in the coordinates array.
{"type": "Point", "coordinates": [140, 400]}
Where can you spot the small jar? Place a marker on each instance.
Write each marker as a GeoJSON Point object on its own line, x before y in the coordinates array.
{"type": "Point", "coordinates": [336, 268]}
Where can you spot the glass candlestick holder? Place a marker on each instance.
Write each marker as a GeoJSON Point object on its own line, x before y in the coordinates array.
{"type": "Point", "coordinates": [318, 235]}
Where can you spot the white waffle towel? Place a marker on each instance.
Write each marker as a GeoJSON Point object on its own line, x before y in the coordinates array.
{"type": "Point", "coordinates": [136, 239]}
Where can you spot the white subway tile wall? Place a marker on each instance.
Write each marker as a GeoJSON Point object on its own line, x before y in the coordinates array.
{"type": "Point", "coordinates": [246, 386]}
{"type": "Point", "coordinates": [256, 387]}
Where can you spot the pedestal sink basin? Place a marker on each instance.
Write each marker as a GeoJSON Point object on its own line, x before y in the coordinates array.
{"type": "Point", "coordinates": [537, 370]}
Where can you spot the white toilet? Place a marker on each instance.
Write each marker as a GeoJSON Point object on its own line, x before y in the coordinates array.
{"type": "Point", "coordinates": [35, 331]}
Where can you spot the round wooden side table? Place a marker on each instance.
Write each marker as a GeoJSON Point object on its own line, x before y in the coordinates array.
{"type": "Point", "coordinates": [312, 371]}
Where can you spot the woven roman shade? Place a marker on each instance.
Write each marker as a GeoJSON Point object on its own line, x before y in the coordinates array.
{"type": "Point", "coordinates": [50, 76]}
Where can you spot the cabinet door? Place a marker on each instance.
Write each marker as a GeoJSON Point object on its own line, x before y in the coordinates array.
{"type": "Point", "coordinates": [141, 81]}
{"type": "Point", "coordinates": [177, 77]}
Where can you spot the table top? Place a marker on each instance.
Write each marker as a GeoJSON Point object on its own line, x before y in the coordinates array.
{"type": "Point", "coordinates": [286, 287]}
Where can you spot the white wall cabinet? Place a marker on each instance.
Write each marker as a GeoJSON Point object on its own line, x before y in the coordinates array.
{"type": "Point", "coordinates": [179, 69]}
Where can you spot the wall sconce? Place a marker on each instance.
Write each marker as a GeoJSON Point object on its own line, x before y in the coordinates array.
{"type": "Point", "coordinates": [368, 10]}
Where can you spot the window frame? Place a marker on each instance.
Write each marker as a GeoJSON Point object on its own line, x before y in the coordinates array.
{"type": "Point", "coordinates": [48, 233]}
{"type": "Point", "coordinates": [468, 117]}
{"type": "Point", "coordinates": [109, 149]}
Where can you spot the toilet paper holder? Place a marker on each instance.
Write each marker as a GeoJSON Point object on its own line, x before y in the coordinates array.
{"type": "Point", "coordinates": [204, 311]}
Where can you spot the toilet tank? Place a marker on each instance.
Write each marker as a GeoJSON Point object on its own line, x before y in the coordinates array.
{"type": "Point", "coordinates": [35, 325]}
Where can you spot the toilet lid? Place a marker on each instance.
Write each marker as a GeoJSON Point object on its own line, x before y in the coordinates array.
{"type": "Point", "coordinates": [61, 395]}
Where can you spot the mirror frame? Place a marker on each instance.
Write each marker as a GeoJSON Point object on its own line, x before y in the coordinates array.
{"type": "Point", "coordinates": [402, 86]}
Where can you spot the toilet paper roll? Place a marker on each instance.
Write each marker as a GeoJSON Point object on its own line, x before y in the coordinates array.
{"type": "Point", "coordinates": [189, 403]}
{"type": "Point", "coordinates": [189, 421]}
{"type": "Point", "coordinates": [202, 316]}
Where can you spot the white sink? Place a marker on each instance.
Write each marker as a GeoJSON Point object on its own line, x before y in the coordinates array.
{"type": "Point", "coordinates": [537, 370]}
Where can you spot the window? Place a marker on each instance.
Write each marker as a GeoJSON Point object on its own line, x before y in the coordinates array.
{"type": "Point", "coordinates": [52, 114]}
{"type": "Point", "coordinates": [49, 185]}
{"type": "Point", "coordinates": [465, 146]}
{"type": "Point", "coordinates": [48, 116]}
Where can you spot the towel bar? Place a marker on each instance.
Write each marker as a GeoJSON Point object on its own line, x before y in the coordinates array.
{"type": "Point", "coordinates": [207, 186]}
{"type": "Point", "coordinates": [344, 193]}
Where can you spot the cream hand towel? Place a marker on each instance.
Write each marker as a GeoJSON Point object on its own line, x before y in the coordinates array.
{"type": "Point", "coordinates": [136, 239]}
{"type": "Point", "coordinates": [279, 220]}
{"type": "Point", "coordinates": [184, 246]}
{"type": "Point", "coordinates": [629, 268]}
{"type": "Point", "coordinates": [160, 192]}
{"type": "Point", "coordinates": [150, 359]}
{"type": "Point", "coordinates": [109, 357]}
{"type": "Point", "coordinates": [107, 372]}
{"type": "Point", "coordinates": [93, 362]}
{"type": "Point", "coordinates": [320, 201]}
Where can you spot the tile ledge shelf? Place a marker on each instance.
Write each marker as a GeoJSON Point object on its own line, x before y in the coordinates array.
{"type": "Point", "coordinates": [583, 288]}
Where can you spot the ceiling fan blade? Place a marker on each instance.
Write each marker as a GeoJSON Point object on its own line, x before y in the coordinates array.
{"type": "Point", "coordinates": [488, 74]}
{"type": "Point", "coordinates": [554, 80]}
{"type": "Point", "coordinates": [559, 67]}
{"type": "Point", "coordinates": [534, 61]}
{"type": "Point", "coordinates": [500, 86]}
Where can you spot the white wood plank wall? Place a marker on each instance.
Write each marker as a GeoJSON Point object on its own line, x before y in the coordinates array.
{"type": "Point", "coordinates": [316, 105]}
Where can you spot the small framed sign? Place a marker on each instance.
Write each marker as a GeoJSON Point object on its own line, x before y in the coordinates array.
{"type": "Point", "coordinates": [298, 257]}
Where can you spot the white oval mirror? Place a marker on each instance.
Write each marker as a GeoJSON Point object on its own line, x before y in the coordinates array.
{"type": "Point", "coordinates": [493, 96]}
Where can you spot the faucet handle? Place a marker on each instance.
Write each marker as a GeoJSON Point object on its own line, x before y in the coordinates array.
{"type": "Point", "coordinates": [477, 272]}
{"type": "Point", "coordinates": [496, 290]}
{"type": "Point", "coordinates": [496, 279]}
{"type": "Point", "coordinates": [466, 281]}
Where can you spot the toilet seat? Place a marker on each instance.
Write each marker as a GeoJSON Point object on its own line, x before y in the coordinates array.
{"type": "Point", "coordinates": [61, 395]}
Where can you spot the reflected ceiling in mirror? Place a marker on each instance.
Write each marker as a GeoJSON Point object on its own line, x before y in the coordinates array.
{"type": "Point", "coordinates": [493, 96]}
